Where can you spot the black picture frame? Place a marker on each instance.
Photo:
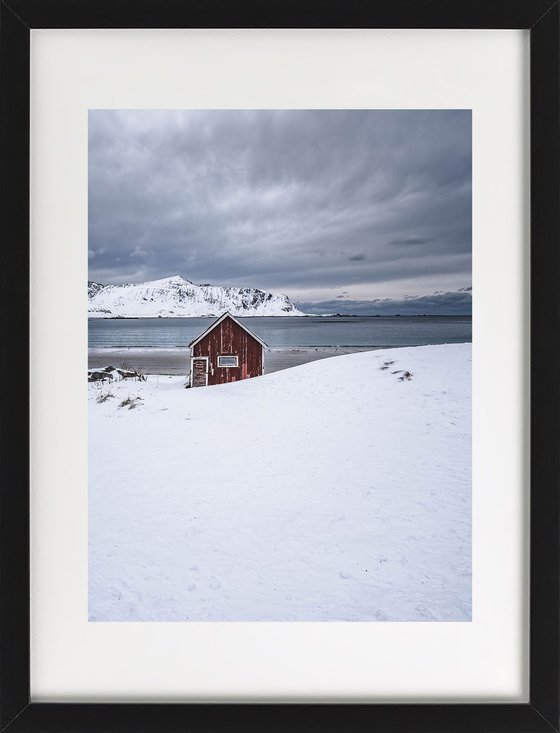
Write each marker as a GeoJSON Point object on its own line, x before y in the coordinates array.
{"type": "Point", "coordinates": [542, 19]}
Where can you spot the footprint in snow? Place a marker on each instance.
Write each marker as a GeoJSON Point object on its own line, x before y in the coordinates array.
{"type": "Point", "coordinates": [214, 583]}
{"type": "Point", "coordinates": [192, 587]}
{"type": "Point", "coordinates": [344, 574]}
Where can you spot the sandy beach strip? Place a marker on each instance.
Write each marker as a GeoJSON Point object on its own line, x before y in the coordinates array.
{"type": "Point", "coordinates": [175, 361]}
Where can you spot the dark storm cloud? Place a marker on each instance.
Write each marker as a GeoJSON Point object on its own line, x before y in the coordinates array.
{"type": "Point", "coordinates": [458, 302]}
{"type": "Point", "coordinates": [294, 201]}
{"type": "Point", "coordinates": [409, 241]}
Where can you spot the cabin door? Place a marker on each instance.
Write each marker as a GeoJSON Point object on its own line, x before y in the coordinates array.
{"type": "Point", "coordinates": [199, 371]}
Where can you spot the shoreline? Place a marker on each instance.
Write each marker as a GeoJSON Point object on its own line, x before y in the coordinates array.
{"type": "Point", "coordinates": [173, 361]}
{"type": "Point", "coordinates": [92, 317]}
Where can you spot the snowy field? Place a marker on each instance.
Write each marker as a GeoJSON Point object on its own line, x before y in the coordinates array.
{"type": "Point", "coordinates": [332, 491]}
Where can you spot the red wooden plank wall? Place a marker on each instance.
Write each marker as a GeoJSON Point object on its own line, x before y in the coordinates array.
{"type": "Point", "coordinates": [226, 339]}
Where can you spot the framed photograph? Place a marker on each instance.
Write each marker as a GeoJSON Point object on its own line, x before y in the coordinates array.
{"type": "Point", "coordinates": [311, 479]}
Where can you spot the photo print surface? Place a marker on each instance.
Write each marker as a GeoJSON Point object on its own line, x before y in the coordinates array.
{"type": "Point", "coordinates": [279, 365]}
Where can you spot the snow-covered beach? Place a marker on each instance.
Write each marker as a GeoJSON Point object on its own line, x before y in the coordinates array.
{"type": "Point", "coordinates": [338, 490]}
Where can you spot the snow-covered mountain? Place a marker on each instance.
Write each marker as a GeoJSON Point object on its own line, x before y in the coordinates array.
{"type": "Point", "coordinates": [175, 296]}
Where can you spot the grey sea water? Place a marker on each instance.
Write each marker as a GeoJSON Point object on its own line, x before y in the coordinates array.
{"type": "Point", "coordinates": [370, 331]}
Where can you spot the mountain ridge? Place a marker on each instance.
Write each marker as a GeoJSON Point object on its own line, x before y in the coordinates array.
{"type": "Point", "coordinates": [177, 297]}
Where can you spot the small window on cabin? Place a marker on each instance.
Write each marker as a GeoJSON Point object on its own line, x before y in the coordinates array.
{"type": "Point", "coordinates": [227, 361]}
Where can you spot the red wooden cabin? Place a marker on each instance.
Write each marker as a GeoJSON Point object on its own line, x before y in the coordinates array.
{"type": "Point", "coordinates": [226, 352]}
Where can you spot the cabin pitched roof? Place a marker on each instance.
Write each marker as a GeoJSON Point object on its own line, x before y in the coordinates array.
{"type": "Point", "coordinates": [217, 322]}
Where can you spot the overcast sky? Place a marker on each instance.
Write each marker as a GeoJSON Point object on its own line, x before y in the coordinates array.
{"type": "Point", "coordinates": [354, 211]}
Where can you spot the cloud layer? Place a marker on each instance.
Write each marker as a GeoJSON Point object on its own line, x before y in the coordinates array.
{"type": "Point", "coordinates": [458, 302]}
{"type": "Point", "coordinates": [328, 206]}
